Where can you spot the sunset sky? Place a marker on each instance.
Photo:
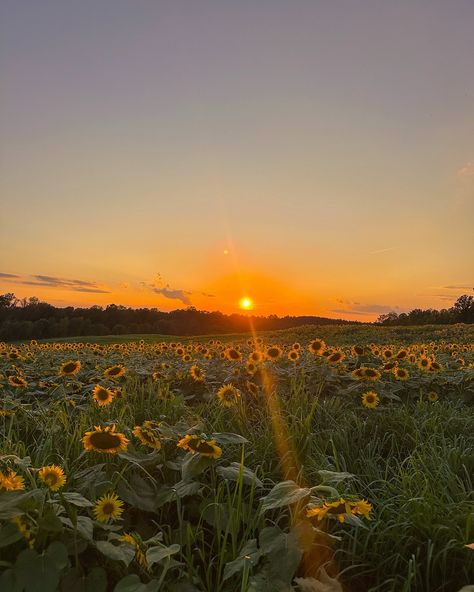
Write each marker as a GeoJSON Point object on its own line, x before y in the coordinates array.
{"type": "Point", "coordinates": [315, 156]}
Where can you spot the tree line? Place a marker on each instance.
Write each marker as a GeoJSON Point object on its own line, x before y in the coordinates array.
{"type": "Point", "coordinates": [462, 311]}
{"type": "Point", "coordinates": [29, 318]}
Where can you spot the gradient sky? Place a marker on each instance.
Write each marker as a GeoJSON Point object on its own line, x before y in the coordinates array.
{"type": "Point", "coordinates": [328, 146]}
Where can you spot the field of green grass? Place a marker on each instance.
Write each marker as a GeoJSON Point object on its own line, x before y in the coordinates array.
{"type": "Point", "coordinates": [232, 464]}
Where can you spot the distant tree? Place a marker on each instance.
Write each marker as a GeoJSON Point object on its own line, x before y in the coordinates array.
{"type": "Point", "coordinates": [463, 309]}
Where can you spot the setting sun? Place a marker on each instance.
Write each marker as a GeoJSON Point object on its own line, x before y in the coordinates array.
{"type": "Point", "coordinates": [246, 303]}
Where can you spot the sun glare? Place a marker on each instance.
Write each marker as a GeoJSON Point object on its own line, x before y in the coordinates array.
{"type": "Point", "coordinates": [246, 303]}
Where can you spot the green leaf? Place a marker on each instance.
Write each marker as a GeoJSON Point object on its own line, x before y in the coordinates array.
{"type": "Point", "coordinates": [138, 492]}
{"type": "Point", "coordinates": [249, 554]}
{"type": "Point", "coordinates": [284, 494]}
{"type": "Point", "coordinates": [235, 471]}
{"type": "Point", "coordinates": [193, 465]}
{"type": "Point", "coordinates": [132, 583]}
{"type": "Point", "coordinates": [124, 553]}
{"type": "Point", "coordinates": [84, 526]}
{"type": "Point", "coordinates": [229, 438]}
{"type": "Point", "coordinates": [158, 553]}
{"type": "Point", "coordinates": [9, 534]}
{"type": "Point", "coordinates": [57, 554]}
{"type": "Point", "coordinates": [185, 488]}
{"type": "Point", "coordinates": [77, 499]}
{"type": "Point", "coordinates": [334, 477]}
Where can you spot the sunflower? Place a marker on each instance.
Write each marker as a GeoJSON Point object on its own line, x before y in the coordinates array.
{"type": "Point", "coordinates": [296, 346]}
{"type": "Point", "coordinates": [104, 440]}
{"type": "Point", "coordinates": [317, 346]}
{"type": "Point", "coordinates": [187, 358]}
{"type": "Point", "coordinates": [435, 367]}
{"type": "Point", "coordinates": [102, 395]}
{"type": "Point", "coordinates": [197, 373]}
{"type": "Point", "coordinates": [387, 354]}
{"type": "Point", "coordinates": [147, 436]}
{"type": "Point", "coordinates": [202, 446]}
{"type": "Point", "coordinates": [370, 399]}
{"type": "Point", "coordinates": [361, 507]}
{"type": "Point", "coordinates": [228, 395]}
{"type": "Point", "coordinates": [371, 374]}
{"type": "Point", "coordinates": [232, 354]}
{"type": "Point", "coordinates": [108, 508]}
{"type": "Point", "coordinates": [17, 381]}
{"type": "Point", "coordinates": [11, 481]}
{"type": "Point", "coordinates": [389, 366]}
{"type": "Point", "coordinates": [293, 355]}
{"type": "Point", "coordinates": [256, 357]}
{"type": "Point", "coordinates": [252, 388]}
{"type": "Point", "coordinates": [424, 363]}
{"type": "Point", "coordinates": [250, 368]}
{"type": "Point", "coordinates": [358, 373]}
{"type": "Point", "coordinates": [114, 372]}
{"type": "Point", "coordinates": [133, 539]}
{"type": "Point", "coordinates": [339, 508]}
{"type": "Point", "coordinates": [336, 357]}
{"type": "Point", "coordinates": [433, 397]}
{"type": "Point", "coordinates": [402, 354]}
{"type": "Point", "coordinates": [52, 476]}
{"type": "Point", "coordinates": [357, 350]}
{"type": "Point", "coordinates": [273, 353]}
{"type": "Point", "coordinates": [401, 374]}
{"type": "Point", "coordinates": [70, 368]}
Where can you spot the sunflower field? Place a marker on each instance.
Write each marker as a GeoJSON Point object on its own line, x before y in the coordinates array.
{"type": "Point", "coordinates": [274, 463]}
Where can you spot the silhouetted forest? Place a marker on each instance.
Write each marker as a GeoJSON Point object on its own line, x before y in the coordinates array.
{"type": "Point", "coordinates": [31, 319]}
{"type": "Point", "coordinates": [461, 312]}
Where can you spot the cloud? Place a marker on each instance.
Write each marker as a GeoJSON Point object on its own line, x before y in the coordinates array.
{"type": "Point", "coordinates": [208, 295]}
{"type": "Point", "coordinates": [467, 170]}
{"type": "Point", "coordinates": [382, 250]}
{"type": "Point", "coordinates": [458, 287]}
{"type": "Point", "coordinates": [49, 281]}
{"type": "Point", "coordinates": [181, 295]}
{"type": "Point", "coordinates": [366, 309]}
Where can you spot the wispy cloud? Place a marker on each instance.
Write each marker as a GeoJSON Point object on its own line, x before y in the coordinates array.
{"type": "Point", "coordinates": [366, 309]}
{"type": "Point", "coordinates": [382, 250]}
{"type": "Point", "coordinates": [467, 170]}
{"type": "Point", "coordinates": [49, 281]}
{"type": "Point", "coordinates": [458, 287]}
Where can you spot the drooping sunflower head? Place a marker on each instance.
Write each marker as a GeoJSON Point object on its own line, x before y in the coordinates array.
{"type": "Point", "coordinates": [252, 388]}
{"type": "Point", "coordinates": [197, 445]}
{"type": "Point", "coordinates": [102, 395]}
{"type": "Point", "coordinates": [53, 476]}
{"type": "Point", "coordinates": [147, 436]}
{"type": "Point", "coordinates": [357, 350]}
{"type": "Point", "coordinates": [105, 440]}
{"type": "Point", "coordinates": [108, 508]}
{"type": "Point", "coordinates": [197, 373]}
{"type": "Point", "coordinates": [336, 357]}
{"type": "Point", "coordinates": [114, 372]}
{"type": "Point", "coordinates": [11, 481]}
{"type": "Point", "coordinates": [358, 373]}
{"type": "Point", "coordinates": [17, 381]}
{"type": "Point", "coordinates": [228, 395]}
{"type": "Point", "coordinates": [70, 368]}
{"type": "Point", "coordinates": [370, 399]}
{"type": "Point", "coordinates": [317, 346]}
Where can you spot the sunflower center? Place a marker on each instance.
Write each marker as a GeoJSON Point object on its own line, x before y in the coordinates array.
{"type": "Point", "coordinates": [104, 440]}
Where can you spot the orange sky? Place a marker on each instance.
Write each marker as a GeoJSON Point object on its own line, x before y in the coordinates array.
{"type": "Point", "coordinates": [327, 146]}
